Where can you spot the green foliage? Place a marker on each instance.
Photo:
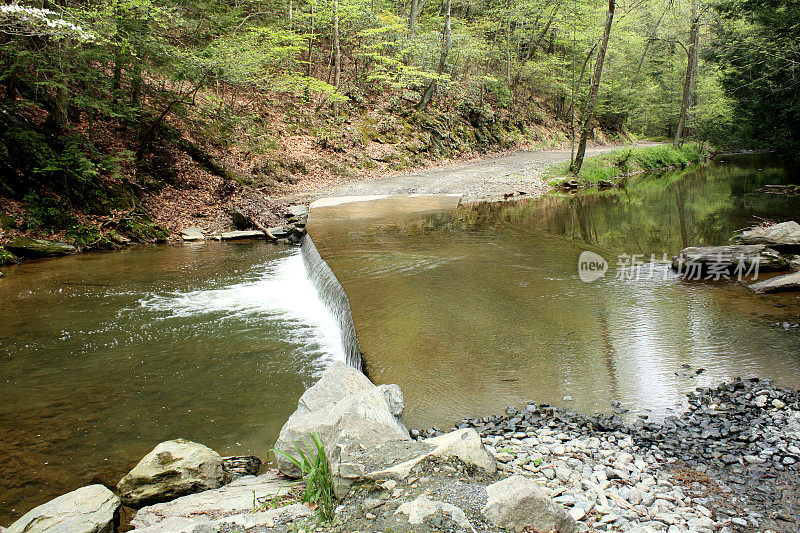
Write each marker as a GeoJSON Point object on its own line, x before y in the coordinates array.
{"type": "Point", "coordinates": [87, 237]}
{"type": "Point", "coordinates": [146, 70]}
{"type": "Point", "coordinates": [45, 213]}
{"type": "Point", "coordinates": [6, 257]}
{"type": "Point", "coordinates": [141, 228]}
{"type": "Point", "coordinates": [756, 50]}
{"type": "Point", "coordinates": [631, 160]}
{"type": "Point", "coordinates": [313, 463]}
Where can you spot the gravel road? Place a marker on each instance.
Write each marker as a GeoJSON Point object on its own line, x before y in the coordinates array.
{"type": "Point", "coordinates": [485, 179]}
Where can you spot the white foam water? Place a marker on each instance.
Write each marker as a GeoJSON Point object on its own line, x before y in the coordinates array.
{"type": "Point", "coordinates": [279, 290]}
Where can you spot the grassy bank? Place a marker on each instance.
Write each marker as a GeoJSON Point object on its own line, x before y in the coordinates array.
{"type": "Point", "coordinates": [628, 161]}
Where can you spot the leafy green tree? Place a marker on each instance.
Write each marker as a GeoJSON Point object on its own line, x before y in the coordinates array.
{"type": "Point", "coordinates": [756, 49]}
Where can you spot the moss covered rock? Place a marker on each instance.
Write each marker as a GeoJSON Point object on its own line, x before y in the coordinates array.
{"type": "Point", "coordinates": [141, 228]}
{"type": "Point", "coordinates": [33, 248]}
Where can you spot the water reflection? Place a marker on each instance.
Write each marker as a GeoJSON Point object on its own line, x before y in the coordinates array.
{"type": "Point", "coordinates": [476, 308]}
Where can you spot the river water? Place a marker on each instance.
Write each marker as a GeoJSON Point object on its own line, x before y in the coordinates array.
{"type": "Point", "coordinates": [468, 309]}
{"type": "Point", "coordinates": [104, 355]}
{"type": "Point", "coordinates": [480, 307]}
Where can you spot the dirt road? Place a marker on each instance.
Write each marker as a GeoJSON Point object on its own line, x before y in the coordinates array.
{"type": "Point", "coordinates": [486, 179]}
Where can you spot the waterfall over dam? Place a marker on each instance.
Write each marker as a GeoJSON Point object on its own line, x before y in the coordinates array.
{"type": "Point", "coordinates": [333, 296]}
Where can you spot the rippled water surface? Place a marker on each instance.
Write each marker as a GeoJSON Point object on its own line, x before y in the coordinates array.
{"type": "Point", "coordinates": [473, 309]}
{"type": "Point", "coordinates": [102, 356]}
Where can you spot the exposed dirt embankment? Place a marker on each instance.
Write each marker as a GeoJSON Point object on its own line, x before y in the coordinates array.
{"type": "Point", "coordinates": [198, 176]}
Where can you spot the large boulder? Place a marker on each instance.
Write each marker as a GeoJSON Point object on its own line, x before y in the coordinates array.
{"type": "Point", "coordinates": [92, 509]}
{"type": "Point", "coordinates": [518, 504]}
{"type": "Point", "coordinates": [241, 496]}
{"type": "Point", "coordinates": [349, 414]}
{"type": "Point", "coordinates": [786, 282]}
{"type": "Point", "coordinates": [785, 235]}
{"type": "Point", "coordinates": [714, 262]}
{"type": "Point", "coordinates": [174, 468]}
{"type": "Point", "coordinates": [240, 220]}
{"type": "Point", "coordinates": [34, 248]}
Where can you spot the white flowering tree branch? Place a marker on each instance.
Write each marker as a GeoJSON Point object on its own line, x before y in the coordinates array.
{"type": "Point", "coordinates": [24, 21]}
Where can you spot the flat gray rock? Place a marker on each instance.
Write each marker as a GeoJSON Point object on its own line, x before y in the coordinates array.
{"type": "Point", "coordinates": [279, 232]}
{"type": "Point", "coordinates": [297, 211]}
{"type": "Point", "coordinates": [783, 234]}
{"type": "Point", "coordinates": [182, 525]}
{"type": "Point", "coordinates": [786, 282]}
{"type": "Point", "coordinates": [192, 234]}
{"type": "Point", "coordinates": [249, 521]}
{"type": "Point", "coordinates": [709, 262]}
{"type": "Point", "coordinates": [34, 248]}
{"type": "Point", "coordinates": [234, 499]}
{"type": "Point", "coordinates": [236, 235]}
{"type": "Point", "coordinates": [92, 509]}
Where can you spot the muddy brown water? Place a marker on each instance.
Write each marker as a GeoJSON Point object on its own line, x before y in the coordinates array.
{"type": "Point", "coordinates": [469, 310]}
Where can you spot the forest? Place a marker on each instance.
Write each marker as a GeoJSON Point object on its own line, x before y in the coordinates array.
{"type": "Point", "coordinates": [105, 101]}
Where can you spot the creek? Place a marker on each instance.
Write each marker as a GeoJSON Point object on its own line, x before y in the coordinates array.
{"type": "Point", "coordinates": [468, 308]}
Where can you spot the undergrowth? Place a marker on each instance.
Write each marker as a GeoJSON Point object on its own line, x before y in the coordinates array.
{"type": "Point", "coordinates": [630, 161]}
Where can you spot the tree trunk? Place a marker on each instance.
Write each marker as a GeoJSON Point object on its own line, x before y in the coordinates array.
{"type": "Point", "coordinates": [508, 42]}
{"type": "Point", "coordinates": [310, 41]}
{"type": "Point", "coordinates": [535, 45]}
{"type": "Point", "coordinates": [646, 48]}
{"type": "Point", "coordinates": [136, 83]}
{"type": "Point", "coordinates": [116, 82]}
{"type": "Point", "coordinates": [60, 101]}
{"type": "Point", "coordinates": [690, 67]}
{"type": "Point", "coordinates": [590, 105]}
{"type": "Point", "coordinates": [447, 41]}
{"type": "Point", "coordinates": [412, 16]}
{"type": "Point", "coordinates": [579, 83]}
{"type": "Point", "coordinates": [60, 114]}
{"type": "Point", "coordinates": [337, 51]}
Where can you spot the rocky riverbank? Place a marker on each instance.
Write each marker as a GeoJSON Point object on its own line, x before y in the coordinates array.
{"type": "Point", "coordinates": [729, 463]}
{"type": "Point", "coordinates": [241, 226]}
{"type": "Point", "coordinates": [768, 248]}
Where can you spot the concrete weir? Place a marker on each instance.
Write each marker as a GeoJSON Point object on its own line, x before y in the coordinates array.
{"type": "Point", "coordinates": [324, 280]}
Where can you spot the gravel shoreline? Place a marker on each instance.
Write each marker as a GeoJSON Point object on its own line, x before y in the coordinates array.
{"type": "Point", "coordinates": [729, 463]}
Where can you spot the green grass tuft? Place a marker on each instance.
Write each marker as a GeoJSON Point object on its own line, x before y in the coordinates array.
{"type": "Point", "coordinates": [629, 161]}
{"type": "Point", "coordinates": [313, 463]}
